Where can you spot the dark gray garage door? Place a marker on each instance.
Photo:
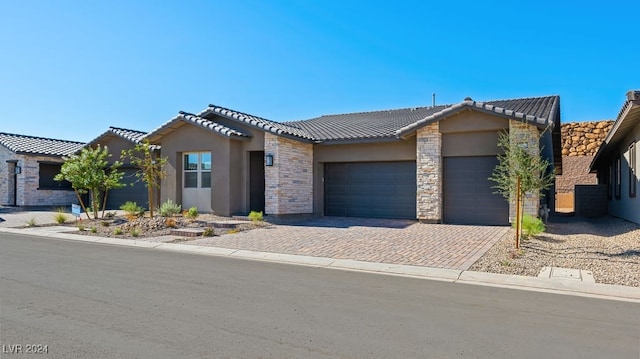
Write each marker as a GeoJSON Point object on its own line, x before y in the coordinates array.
{"type": "Point", "coordinates": [370, 189]}
{"type": "Point", "coordinates": [468, 196]}
{"type": "Point", "coordinates": [136, 193]}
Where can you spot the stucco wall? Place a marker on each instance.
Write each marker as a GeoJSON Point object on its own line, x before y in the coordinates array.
{"type": "Point", "coordinates": [289, 182]}
{"type": "Point", "coordinates": [429, 173]}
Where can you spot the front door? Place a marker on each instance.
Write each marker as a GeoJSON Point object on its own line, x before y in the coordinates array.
{"type": "Point", "coordinates": [256, 181]}
{"type": "Point", "coordinates": [196, 181]}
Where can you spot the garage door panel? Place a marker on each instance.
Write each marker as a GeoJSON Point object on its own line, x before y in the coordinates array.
{"type": "Point", "coordinates": [468, 194]}
{"type": "Point", "coordinates": [371, 189]}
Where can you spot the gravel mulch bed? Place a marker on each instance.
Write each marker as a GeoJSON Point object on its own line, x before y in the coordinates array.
{"type": "Point", "coordinates": [121, 227]}
{"type": "Point", "coordinates": [608, 247]}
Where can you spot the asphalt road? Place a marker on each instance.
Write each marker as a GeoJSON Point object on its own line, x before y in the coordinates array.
{"type": "Point", "coordinates": [87, 300]}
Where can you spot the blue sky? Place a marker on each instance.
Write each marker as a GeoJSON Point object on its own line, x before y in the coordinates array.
{"type": "Point", "coordinates": [70, 69]}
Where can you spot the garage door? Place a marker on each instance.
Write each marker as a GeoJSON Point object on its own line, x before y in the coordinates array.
{"type": "Point", "coordinates": [370, 189]}
{"type": "Point", "coordinates": [136, 193]}
{"type": "Point", "coordinates": [467, 193]}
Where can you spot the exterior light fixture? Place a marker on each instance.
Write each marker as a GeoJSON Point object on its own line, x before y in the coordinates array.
{"type": "Point", "coordinates": [18, 170]}
{"type": "Point", "coordinates": [268, 160]}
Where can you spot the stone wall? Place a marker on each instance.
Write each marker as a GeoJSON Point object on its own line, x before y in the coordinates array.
{"type": "Point", "coordinates": [29, 181]}
{"type": "Point", "coordinates": [6, 176]}
{"type": "Point", "coordinates": [527, 135]}
{"type": "Point", "coordinates": [583, 138]}
{"type": "Point", "coordinates": [289, 182]}
{"type": "Point", "coordinates": [429, 173]}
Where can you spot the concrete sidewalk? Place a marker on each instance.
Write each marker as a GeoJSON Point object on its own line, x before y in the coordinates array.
{"type": "Point", "coordinates": [558, 286]}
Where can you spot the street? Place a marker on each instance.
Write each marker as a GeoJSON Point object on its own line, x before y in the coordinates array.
{"type": "Point", "coordinates": [87, 300]}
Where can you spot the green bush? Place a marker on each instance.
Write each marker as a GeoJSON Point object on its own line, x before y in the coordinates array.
{"type": "Point", "coordinates": [60, 217]}
{"type": "Point", "coordinates": [168, 209]}
{"type": "Point", "coordinates": [192, 213]}
{"type": "Point", "coordinates": [31, 222]}
{"type": "Point", "coordinates": [208, 232]}
{"type": "Point", "coordinates": [256, 216]}
{"type": "Point", "coordinates": [117, 231]}
{"type": "Point", "coordinates": [531, 226]}
{"type": "Point", "coordinates": [134, 232]}
{"type": "Point", "coordinates": [94, 230]}
{"type": "Point", "coordinates": [132, 209]}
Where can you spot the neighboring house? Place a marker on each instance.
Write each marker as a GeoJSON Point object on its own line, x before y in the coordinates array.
{"type": "Point", "coordinates": [616, 162]}
{"type": "Point", "coordinates": [426, 163]}
{"type": "Point", "coordinates": [27, 167]}
{"type": "Point", "coordinates": [118, 140]}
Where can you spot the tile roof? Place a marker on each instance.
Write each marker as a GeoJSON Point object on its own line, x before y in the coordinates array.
{"type": "Point", "coordinates": [197, 120]}
{"type": "Point", "coordinates": [126, 134]}
{"type": "Point", "coordinates": [38, 145]}
{"type": "Point", "coordinates": [278, 128]}
{"type": "Point", "coordinates": [363, 125]}
{"type": "Point", "coordinates": [23, 144]}
{"type": "Point", "coordinates": [391, 124]}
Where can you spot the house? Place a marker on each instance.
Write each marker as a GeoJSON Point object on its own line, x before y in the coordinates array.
{"type": "Point", "coordinates": [616, 162]}
{"type": "Point", "coordinates": [426, 163]}
{"type": "Point", "coordinates": [27, 167]}
{"type": "Point", "coordinates": [118, 140]}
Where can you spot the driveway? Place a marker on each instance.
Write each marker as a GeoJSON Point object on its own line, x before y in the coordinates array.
{"type": "Point", "coordinates": [371, 240]}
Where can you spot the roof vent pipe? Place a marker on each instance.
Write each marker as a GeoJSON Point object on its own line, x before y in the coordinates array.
{"type": "Point", "coordinates": [433, 100]}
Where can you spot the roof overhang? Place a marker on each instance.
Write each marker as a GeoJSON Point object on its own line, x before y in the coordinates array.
{"type": "Point", "coordinates": [628, 118]}
{"type": "Point", "coordinates": [184, 118]}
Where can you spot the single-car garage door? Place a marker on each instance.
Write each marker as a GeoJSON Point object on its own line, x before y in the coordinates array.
{"type": "Point", "coordinates": [468, 193]}
{"type": "Point", "coordinates": [370, 189]}
{"type": "Point", "coordinates": [136, 192]}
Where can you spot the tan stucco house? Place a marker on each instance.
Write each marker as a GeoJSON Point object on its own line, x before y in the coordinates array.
{"type": "Point", "coordinates": [616, 162]}
{"type": "Point", "coordinates": [27, 167]}
{"type": "Point", "coordinates": [427, 163]}
{"type": "Point", "coordinates": [117, 140]}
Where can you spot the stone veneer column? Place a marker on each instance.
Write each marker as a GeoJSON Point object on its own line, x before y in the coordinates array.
{"type": "Point", "coordinates": [524, 133]}
{"type": "Point", "coordinates": [289, 182]}
{"type": "Point", "coordinates": [429, 173]}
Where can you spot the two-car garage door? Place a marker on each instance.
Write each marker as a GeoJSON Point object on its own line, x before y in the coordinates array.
{"type": "Point", "coordinates": [370, 189]}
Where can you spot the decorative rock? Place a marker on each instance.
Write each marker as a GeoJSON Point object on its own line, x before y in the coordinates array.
{"type": "Point", "coordinates": [583, 138]}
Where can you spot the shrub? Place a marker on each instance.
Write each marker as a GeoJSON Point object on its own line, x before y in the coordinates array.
{"type": "Point", "coordinates": [192, 213]}
{"type": "Point", "coordinates": [208, 232]}
{"type": "Point", "coordinates": [80, 227]}
{"type": "Point", "coordinates": [134, 232]}
{"type": "Point", "coordinates": [170, 222]}
{"type": "Point", "coordinates": [531, 226]}
{"type": "Point", "coordinates": [94, 230]}
{"type": "Point", "coordinates": [132, 209]}
{"type": "Point", "coordinates": [60, 217]}
{"type": "Point", "coordinates": [117, 231]}
{"type": "Point", "coordinates": [168, 209]}
{"type": "Point", "coordinates": [31, 222]}
{"type": "Point", "coordinates": [110, 215]}
{"type": "Point", "coordinates": [233, 231]}
{"type": "Point", "coordinates": [256, 216]}
{"type": "Point", "coordinates": [104, 224]}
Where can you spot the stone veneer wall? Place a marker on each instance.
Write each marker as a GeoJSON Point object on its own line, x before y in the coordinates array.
{"type": "Point", "coordinates": [528, 134]}
{"type": "Point", "coordinates": [429, 173]}
{"type": "Point", "coordinates": [289, 182]}
{"type": "Point", "coordinates": [583, 138]}
{"type": "Point", "coordinates": [28, 181]}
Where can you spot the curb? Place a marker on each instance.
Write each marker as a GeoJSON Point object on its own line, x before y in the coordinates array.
{"type": "Point", "coordinates": [546, 285]}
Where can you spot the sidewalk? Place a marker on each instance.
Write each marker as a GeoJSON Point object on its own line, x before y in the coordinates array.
{"type": "Point", "coordinates": [557, 286]}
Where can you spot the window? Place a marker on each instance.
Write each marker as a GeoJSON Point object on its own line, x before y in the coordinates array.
{"type": "Point", "coordinates": [633, 174]}
{"type": "Point", "coordinates": [47, 171]}
{"type": "Point", "coordinates": [618, 177]}
{"type": "Point", "coordinates": [197, 170]}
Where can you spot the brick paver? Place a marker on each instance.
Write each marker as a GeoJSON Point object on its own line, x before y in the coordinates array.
{"type": "Point", "coordinates": [371, 240]}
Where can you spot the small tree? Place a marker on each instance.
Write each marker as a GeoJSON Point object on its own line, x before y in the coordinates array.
{"type": "Point", "coordinates": [520, 171]}
{"type": "Point", "coordinates": [150, 167]}
{"type": "Point", "coordinates": [89, 172]}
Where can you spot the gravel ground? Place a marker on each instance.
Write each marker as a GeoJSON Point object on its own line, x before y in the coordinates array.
{"type": "Point", "coordinates": [608, 247]}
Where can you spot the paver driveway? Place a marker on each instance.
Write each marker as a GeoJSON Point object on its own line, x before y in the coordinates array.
{"type": "Point", "coordinates": [371, 240]}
